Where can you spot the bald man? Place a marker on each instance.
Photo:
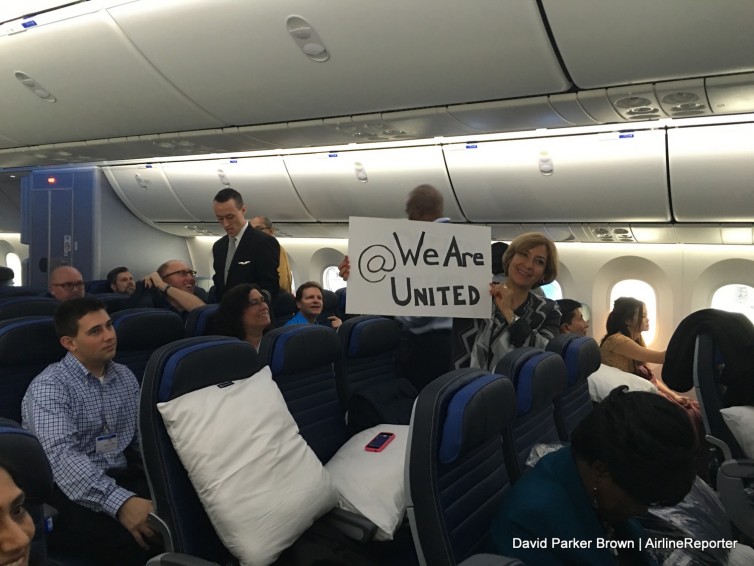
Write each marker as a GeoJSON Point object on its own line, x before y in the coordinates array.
{"type": "Point", "coordinates": [66, 283]}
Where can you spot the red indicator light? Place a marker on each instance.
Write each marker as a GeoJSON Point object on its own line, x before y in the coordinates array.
{"type": "Point", "coordinates": [51, 180]}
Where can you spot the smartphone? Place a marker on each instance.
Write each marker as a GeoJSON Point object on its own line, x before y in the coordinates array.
{"type": "Point", "coordinates": [379, 442]}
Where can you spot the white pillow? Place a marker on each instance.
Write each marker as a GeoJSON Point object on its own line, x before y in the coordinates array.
{"type": "Point", "coordinates": [260, 483]}
{"type": "Point", "coordinates": [371, 483]}
{"type": "Point", "coordinates": [607, 378]}
{"type": "Point", "coordinates": [740, 421]}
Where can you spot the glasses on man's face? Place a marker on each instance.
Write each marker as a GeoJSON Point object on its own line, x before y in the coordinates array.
{"type": "Point", "coordinates": [182, 273]}
{"type": "Point", "coordinates": [69, 285]}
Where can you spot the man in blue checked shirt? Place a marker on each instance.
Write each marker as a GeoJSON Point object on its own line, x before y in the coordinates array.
{"type": "Point", "coordinates": [84, 409]}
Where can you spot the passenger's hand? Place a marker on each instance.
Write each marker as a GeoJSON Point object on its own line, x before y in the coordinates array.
{"type": "Point", "coordinates": [154, 280]}
{"type": "Point", "coordinates": [335, 322]}
{"type": "Point", "coordinates": [344, 268]}
{"type": "Point", "coordinates": [503, 297]}
{"type": "Point", "coordinates": [133, 515]}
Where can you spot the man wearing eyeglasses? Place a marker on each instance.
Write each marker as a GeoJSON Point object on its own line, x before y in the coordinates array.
{"type": "Point", "coordinates": [66, 283]}
{"type": "Point", "coordinates": [170, 287]}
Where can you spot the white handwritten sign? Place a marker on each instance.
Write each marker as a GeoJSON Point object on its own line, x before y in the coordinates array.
{"type": "Point", "coordinates": [409, 268]}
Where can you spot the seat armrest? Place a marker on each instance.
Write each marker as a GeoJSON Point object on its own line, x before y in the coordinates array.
{"type": "Point", "coordinates": [490, 560]}
{"type": "Point", "coordinates": [176, 559]}
{"type": "Point", "coordinates": [350, 524]}
{"type": "Point", "coordinates": [739, 469]}
{"type": "Point", "coordinates": [161, 528]}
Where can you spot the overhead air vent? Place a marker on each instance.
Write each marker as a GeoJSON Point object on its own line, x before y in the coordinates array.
{"type": "Point", "coordinates": [681, 99]}
{"type": "Point", "coordinates": [307, 39]}
{"type": "Point", "coordinates": [635, 102]}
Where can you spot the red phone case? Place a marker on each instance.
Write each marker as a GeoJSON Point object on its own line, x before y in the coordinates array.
{"type": "Point", "coordinates": [372, 446]}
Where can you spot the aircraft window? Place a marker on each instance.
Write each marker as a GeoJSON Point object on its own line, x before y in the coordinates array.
{"type": "Point", "coordinates": [644, 292]}
{"type": "Point", "coordinates": [552, 291]}
{"type": "Point", "coordinates": [331, 280]}
{"type": "Point", "coordinates": [735, 298]}
{"type": "Point", "coordinates": [14, 262]}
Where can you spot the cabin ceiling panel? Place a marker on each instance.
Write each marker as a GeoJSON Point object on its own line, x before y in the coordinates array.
{"type": "Point", "coordinates": [731, 94]}
{"type": "Point", "coordinates": [263, 183]}
{"type": "Point", "coordinates": [334, 186]}
{"type": "Point", "coordinates": [312, 230]}
{"type": "Point", "coordinates": [241, 60]}
{"type": "Point", "coordinates": [619, 176]}
{"type": "Point", "coordinates": [190, 229]}
{"type": "Point", "coordinates": [509, 115]}
{"type": "Point", "coordinates": [82, 79]}
{"type": "Point", "coordinates": [711, 172]}
{"type": "Point", "coordinates": [146, 191]}
{"type": "Point", "coordinates": [612, 43]}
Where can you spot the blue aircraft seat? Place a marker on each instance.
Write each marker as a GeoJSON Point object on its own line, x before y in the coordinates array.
{"type": "Point", "coordinates": [201, 321]}
{"type": "Point", "coordinates": [301, 359]}
{"type": "Point", "coordinates": [113, 301]}
{"type": "Point", "coordinates": [174, 370]}
{"type": "Point", "coordinates": [97, 286]}
{"type": "Point", "coordinates": [582, 358]}
{"type": "Point", "coordinates": [140, 332]}
{"type": "Point", "coordinates": [21, 291]}
{"type": "Point", "coordinates": [282, 309]}
{"type": "Point", "coordinates": [538, 377]}
{"type": "Point", "coordinates": [27, 346]}
{"type": "Point", "coordinates": [735, 472]}
{"type": "Point", "coordinates": [330, 304]}
{"type": "Point", "coordinates": [457, 476]}
{"type": "Point", "coordinates": [14, 307]}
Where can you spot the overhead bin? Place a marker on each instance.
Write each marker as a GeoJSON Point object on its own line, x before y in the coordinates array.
{"type": "Point", "coordinates": [712, 173]}
{"type": "Point", "coordinates": [263, 62]}
{"type": "Point", "coordinates": [614, 43]}
{"type": "Point", "coordinates": [334, 186]}
{"type": "Point", "coordinates": [81, 78]}
{"type": "Point", "coordinates": [262, 181]}
{"type": "Point", "coordinates": [614, 177]}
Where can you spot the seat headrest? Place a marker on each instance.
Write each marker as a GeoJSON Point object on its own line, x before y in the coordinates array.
{"type": "Point", "coordinates": [29, 340]}
{"type": "Point", "coordinates": [22, 456]}
{"type": "Point", "coordinates": [146, 328]}
{"type": "Point", "coordinates": [13, 307]}
{"type": "Point", "coordinates": [368, 335]}
{"type": "Point", "coordinates": [580, 353]}
{"type": "Point", "coordinates": [537, 376]}
{"type": "Point", "coordinates": [300, 347]}
{"type": "Point", "coordinates": [195, 363]}
{"type": "Point", "coordinates": [476, 412]}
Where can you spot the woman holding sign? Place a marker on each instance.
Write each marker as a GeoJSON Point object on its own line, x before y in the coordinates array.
{"type": "Point", "coordinates": [519, 317]}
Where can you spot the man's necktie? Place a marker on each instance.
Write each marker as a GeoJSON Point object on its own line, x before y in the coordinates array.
{"type": "Point", "coordinates": [229, 257]}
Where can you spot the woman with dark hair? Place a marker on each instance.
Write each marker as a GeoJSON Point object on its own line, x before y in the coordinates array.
{"type": "Point", "coordinates": [16, 525]}
{"type": "Point", "coordinates": [243, 313]}
{"type": "Point", "coordinates": [577, 506]}
{"type": "Point", "coordinates": [519, 317]}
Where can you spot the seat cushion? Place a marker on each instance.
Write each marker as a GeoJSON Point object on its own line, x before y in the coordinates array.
{"type": "Point", "coordinates": [260, 483]}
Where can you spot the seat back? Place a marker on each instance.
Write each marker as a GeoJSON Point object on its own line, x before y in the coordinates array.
{"type": "Point", "coordinates": [456, 474]}
{"type": "Point", "coordinates": [113, 301]}
{"type": "Point", "coordinates": [174, 370]}
{"type": "Point", "coordinates": [369, 345]}
{"type": "Point", "coordinates": [14, 307]}
{"type": "Point", "coordinates": [21, 291]}
{"type": "Point", "coordinates": [330, 305]}
{"type": "Point", "coordinates": [201, 321]}
{"type": "Point", "coordinates": [27, 346]}
{"type": "Point", "coordinates": [301, 358]}
{"type": "Point", "coordinates": [283, 309]}
{"type": "Point", "coordinates": [581, 355]}
{"type": "Point", "coordinates": [97, 286]}
{"type": "Point", "coordinates": [538, 377]}
{"type": "Point", "coordinates": [709, 392]}
{"type": "Point", "coordinates": [140, 332]}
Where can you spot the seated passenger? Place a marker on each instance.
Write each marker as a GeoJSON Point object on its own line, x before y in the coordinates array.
{"type": "Point", "coordinates": [6, 276]}
{"type": "Point", "coordinates": [83, 410]}
{"type": "Point", "coordinates": [66, 282]}
{"type": "Point", "coordinates": [635, 450]}
{"type": "Point", "coordinates": [121, 281]}
{"type": "Point", "coordinates": [519, 317]}
{"type": "Point", "coordinates": [310, 304]}
{"type": "Point", "coordinates": [16, 525]}
{"type": "Point", "coordinates": [243, 313]}
{"type": "Point", "coordinates": [571, 317]}
{"type": "Point", "coordinates": [170, 287]}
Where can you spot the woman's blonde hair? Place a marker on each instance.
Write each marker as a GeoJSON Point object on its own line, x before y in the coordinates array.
{"type": "Point", "coordinates": [530, 240]}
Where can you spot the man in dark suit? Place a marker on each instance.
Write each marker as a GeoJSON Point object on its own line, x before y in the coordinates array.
{"type": "Point", "coordinates": [243, 255]}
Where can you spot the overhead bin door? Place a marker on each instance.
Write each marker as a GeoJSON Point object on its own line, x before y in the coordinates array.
{"type": "Point", "coordinates": [82, 79]}
{"type": "Point", "coordinates": [334, 186]}
{"type": "Point", "coordinates": [262, 181]}
{"type": "Point", "coordinates": [606, 43]}
{"type": "Point", "coordinates": [247, 62]}
{"type": "Point", "coordinates": [146, 191]}
{"type": "Point", "coordinates": [613, 177]}
{"type": "Point", "coordinates": [712, 173]}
